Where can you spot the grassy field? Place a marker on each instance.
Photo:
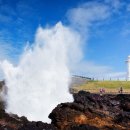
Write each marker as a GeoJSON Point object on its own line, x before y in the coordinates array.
{"type": "Point", "coordinates": [109, 86]}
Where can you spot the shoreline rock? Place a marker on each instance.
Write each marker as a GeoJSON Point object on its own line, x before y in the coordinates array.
{"type": "Point", "coordinates": [87, 112]}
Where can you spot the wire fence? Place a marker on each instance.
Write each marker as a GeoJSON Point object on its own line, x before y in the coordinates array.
{"type": "Point", "coordinates": [110, 79]}
{"type": "Point", "coordinates": [99, 78]}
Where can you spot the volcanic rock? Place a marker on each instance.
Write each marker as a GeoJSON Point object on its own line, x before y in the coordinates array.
{"type": "Point", "coordinates": [106, 112]}
{"type": "Point", "coordinates": [88, 112]}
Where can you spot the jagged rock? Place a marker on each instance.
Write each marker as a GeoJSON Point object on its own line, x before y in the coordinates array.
{"type": "Point", "coordinates": [103, 112]}
{"type": "Point", "coordinates": [66, 115]}
{"type": "Point", "coordinates": [87, 112]}
{"type": "Point", "coordinates": [37, 126]}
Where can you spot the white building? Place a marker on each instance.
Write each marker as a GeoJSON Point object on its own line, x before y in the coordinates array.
{"type": "Point", "coordinates": [128, 68]}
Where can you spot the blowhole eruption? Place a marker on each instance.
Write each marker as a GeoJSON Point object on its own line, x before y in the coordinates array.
{"type": "Point", "coordinates": [40, 80]}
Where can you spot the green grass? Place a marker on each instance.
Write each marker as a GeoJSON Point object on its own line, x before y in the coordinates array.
{"type": "Point", "coordinates": [109, 86]}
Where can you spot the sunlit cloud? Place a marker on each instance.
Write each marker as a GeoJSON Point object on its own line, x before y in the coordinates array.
{"type": "Point", "coordinates": [83, 17]}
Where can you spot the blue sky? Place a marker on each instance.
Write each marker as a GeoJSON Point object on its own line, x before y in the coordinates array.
{"type": "Point", "coordinates": [104, 23]}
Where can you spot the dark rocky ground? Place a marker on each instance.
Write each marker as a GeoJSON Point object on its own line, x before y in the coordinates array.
{"type": "Point", "coordinates": [87, 112]}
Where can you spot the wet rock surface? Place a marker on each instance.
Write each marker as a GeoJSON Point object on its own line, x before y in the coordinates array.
{"type": "Point", "coordinates": [87, 112]}
{"type": "Point", "coordinates": [106, 112]}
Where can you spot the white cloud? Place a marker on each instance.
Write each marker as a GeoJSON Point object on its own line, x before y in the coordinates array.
{"type": "Point", "coordinates": [93, 70]}
{"type": "Point", "coordinates": [83, 18]}
{"type": "Point", "coordinates": [84, 15]}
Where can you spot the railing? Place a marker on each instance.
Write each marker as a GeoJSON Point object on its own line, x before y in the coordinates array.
{"type": "Point", "coordinates": [101, 78]}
